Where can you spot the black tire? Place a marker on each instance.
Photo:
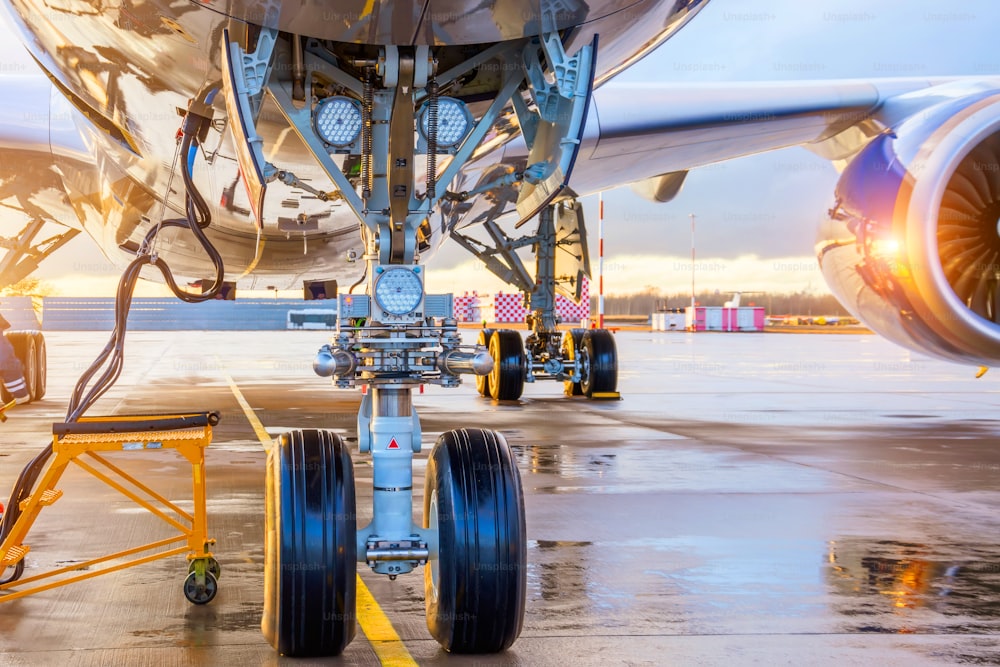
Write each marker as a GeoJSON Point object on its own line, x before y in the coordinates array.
{"type": "Point", "coordinates": [506, 381]}
{"type": "Point", "coordinates": [24, 349]}
{"type": "Point", "coordinates": [12, 572]}
{"type": "Point", "coordinates": [600, 360]}
{"type": "Point", "coordinates": [310, 545]}
{"type": "Point", "coordinates": [201, 595]}
{"type": "Point", "coordinates": [475, 587]}
{"type": "Point", "coordinates": [41, 367]}
{"type": "Point", "coordinates": [482, 381]}
{"type": "Point", "coordinates": [571, 344]}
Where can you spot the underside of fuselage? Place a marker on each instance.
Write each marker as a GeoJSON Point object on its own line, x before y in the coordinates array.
{"type": "Point", "coordinates": [128, 71]}
{"type": "Point", "coordinates": [218, 144]}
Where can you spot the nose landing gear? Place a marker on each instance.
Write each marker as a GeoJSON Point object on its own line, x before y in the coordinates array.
{"type": "Point", "coordinates": [396, 337]}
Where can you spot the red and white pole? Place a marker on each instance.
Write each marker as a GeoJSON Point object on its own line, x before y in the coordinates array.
{"type": "Point", "coordinates": [692, 216]}
{"type": "Point", "coordinates": [600, 260]}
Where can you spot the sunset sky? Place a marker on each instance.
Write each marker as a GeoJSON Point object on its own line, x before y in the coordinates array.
{"type": "Point", "coordinates": [756, 217]}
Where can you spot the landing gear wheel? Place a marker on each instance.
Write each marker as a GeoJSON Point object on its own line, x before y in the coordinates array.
{"type": "Point", "coordinates": [482, 381]}
{"type": "Point", "coordinates": [41, 367]}
{"type": "Point", "coordinates": [571, 343]}
{"type": "Point", "coordinates": [506, 380]}
{"type": "Point", "coordinates": [475, 587]}
{"type": "Point", "coordinates": [599, 356]}
{"type": "Point", "coordinates": [24, 349]}
{"type": "Point", "coordinates": [200, 594]}
{"type": "Point", "coordinates": [310, 545]}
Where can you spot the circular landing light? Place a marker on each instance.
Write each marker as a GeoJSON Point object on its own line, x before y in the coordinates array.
{"type": "Point", "coordinates": [454, 121]}
{"type": "Point", "coordinates": [398, 291]}
{"type": "Point", "coordinates": [338, 120]}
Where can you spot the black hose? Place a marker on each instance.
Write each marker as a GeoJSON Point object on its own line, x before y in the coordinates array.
{"type": "Point", "coordinates": [198, 218]}
{"type": "Point", "coordinates": [360, 280]}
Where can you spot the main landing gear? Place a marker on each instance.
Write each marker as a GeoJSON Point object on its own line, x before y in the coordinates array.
{"type": "Point", "coordinates": [584, 360]}
{"type": "Point", "coordinates": [368, 115]}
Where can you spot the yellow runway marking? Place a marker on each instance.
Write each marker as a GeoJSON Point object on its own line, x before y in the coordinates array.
{"type": "Point", "coordinates": [258, 428]}
{"type": "Point", "coordinates": [374, 623]}
{"type": "Point", "coordinates": [378, 629]}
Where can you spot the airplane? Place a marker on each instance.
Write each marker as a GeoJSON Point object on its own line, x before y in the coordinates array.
{"type": "Point", "coordinates": [288, 143]}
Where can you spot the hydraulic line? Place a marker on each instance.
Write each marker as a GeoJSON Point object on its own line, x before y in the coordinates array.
{"type": "Point", "coordinates": [198, 217]}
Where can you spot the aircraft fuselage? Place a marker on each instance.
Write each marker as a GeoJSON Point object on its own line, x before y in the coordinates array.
{"type": "Point", "coordinates": [127, 69]}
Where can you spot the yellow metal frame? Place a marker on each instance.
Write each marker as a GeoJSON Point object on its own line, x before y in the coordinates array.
{"type": "Point", "coordinates": [4, 409]}
{"type": "Point", "coordinates": [73, 448]}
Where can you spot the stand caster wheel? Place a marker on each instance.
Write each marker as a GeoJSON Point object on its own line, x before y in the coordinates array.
{"type": "Point", "coordinates": [475, 586]}
{"type": "Point", "coordinates": [200, 594]}
{"type": "Point", "coordinates": [310, 545]}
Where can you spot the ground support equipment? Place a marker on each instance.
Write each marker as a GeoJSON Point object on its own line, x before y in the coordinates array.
{"type": "Point", "coordinates": [84, 443]}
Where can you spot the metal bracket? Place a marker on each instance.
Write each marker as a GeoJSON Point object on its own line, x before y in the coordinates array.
{"type": "Point", "coordinates": [22, 258]}
{"type": "Point", "coordinates": [365, 424]}
{"type": "Point", "coordinates": [243, 81]}
{"type": "Point", "coordinates": [384, 551]}
{"type": "Point", "coordinates": [555, 130]}
{"type": "Point", "coordinates": [256, 67]}
{"type": "Point", "coordinates": [511, 270]}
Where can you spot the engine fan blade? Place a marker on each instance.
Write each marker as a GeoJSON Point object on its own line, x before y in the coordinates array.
{"type": "Point", "coordinates": [963, 274]}
{"type": "Point", "coordinates": [975, 168]}
{"type": "Point", "coordinates": [982, 300]}
{"type": "Point", "coordinates": [962, 186]}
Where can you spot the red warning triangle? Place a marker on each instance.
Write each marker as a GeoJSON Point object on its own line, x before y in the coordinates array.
{"type": "Point", "coordinates": [393, 444]}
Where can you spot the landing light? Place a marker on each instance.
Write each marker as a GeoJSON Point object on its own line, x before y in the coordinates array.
{"type": "Point", "coordinates": [398, 291]}
{"type": "Point", "coordinates": [337, 120]}
{"type": "Point", "coordinates": [454, 121]}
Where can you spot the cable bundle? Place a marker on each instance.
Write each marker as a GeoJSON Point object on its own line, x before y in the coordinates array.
{"type": "Point", "coordinates": [198, 218]}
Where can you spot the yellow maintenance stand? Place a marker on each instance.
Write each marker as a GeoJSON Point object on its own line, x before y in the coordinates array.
{"type": "Point", "coordinates": [83, 443]}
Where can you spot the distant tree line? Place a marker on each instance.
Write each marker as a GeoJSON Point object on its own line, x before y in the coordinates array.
{"type": "Point", "coordinates": [28, 287]}
{"type": "Point", "coordinates": [789, 303]}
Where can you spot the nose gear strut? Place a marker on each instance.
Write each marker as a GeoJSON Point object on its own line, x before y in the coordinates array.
{"type": "Point", "coordinates": [396, 337]}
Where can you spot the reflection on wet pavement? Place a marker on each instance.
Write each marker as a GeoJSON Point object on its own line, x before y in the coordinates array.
{"type": "Point", "coordinates": [889, 586]}
{"type": "Point", "coordinates": [744, 503]}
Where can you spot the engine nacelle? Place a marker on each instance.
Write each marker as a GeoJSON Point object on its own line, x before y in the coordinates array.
{"type": "Point", "coordinates": [912, 246]}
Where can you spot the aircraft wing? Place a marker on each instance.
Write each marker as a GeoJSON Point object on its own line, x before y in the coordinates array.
{"type": "Point", "coordinates": [651, 134]}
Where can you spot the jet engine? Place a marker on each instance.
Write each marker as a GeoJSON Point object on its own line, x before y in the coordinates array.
{"type": "Point", "coordinates": [912, 245]}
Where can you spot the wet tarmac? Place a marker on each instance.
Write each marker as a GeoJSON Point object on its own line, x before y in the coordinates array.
{"type": "Point", "coordinates": [754, 499]}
